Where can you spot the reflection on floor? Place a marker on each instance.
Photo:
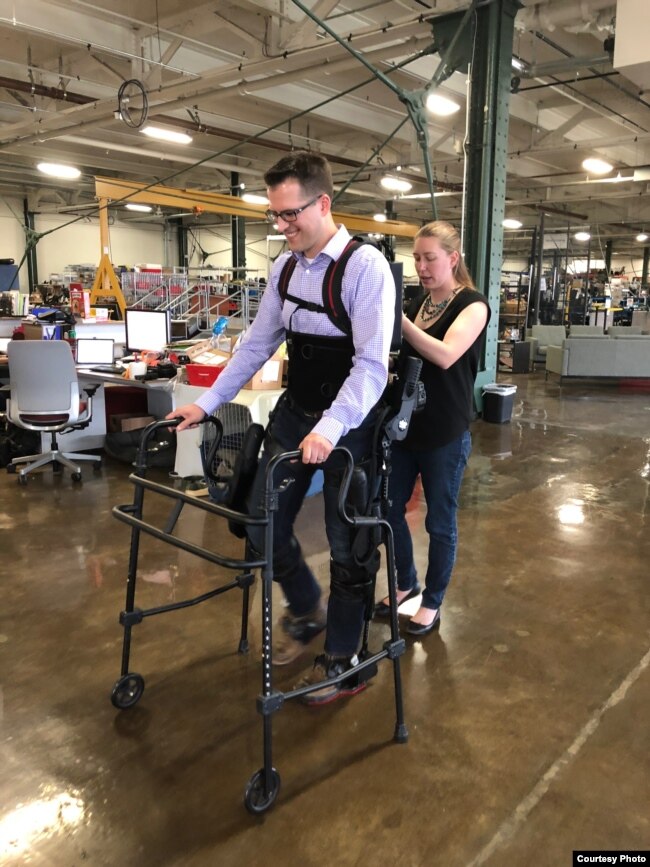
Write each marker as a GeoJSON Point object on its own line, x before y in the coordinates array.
{"type": "Point", "coordinates": [527, 713]}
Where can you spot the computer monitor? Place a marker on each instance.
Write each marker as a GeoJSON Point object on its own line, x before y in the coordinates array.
{"type": "Point", "coordinates": [92, 350]}
{"type": "Point", "coordinates": [147, 330]}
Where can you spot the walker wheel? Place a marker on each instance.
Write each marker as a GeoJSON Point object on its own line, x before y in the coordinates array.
{"type": "Point", "coordinates": [22, 480]}
{"type": "Point", "coordinates": [76, 477]}
{"type": "Point", "coordinates": [256, 800]}
{"type": "Point", "coordinates": [97, 465]}
{"type": "Point", "coordinates": [127, 691]}
{"type": "Point", "coordinates": [11, 468]}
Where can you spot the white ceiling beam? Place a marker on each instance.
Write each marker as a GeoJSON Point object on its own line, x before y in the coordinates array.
{"type": "Point", "coordinates": [304, 32]}
{"type": "Point", "coordinates": [569, 124]}
{"type": "Point", "coordinates": [209, 85]}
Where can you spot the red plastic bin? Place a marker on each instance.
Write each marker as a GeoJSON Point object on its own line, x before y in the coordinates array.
{"type": "Point", "coordinates": [203, 374]}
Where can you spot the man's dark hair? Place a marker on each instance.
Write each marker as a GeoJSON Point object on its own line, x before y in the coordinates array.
{"type": "Point", "coordinates": [311, 170]}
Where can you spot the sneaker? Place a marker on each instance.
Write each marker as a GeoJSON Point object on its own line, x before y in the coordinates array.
{"type": "Point", "coordinates": [295, 634]}
{"type": "Point", "coordinates": [325, 667]}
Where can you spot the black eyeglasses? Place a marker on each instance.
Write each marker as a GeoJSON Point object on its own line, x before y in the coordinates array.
{"type": "Point", "coordinates": [290, 215]}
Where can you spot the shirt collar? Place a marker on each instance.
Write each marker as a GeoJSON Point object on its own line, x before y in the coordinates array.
{"type": "Point", "coordinates": [334, 247]}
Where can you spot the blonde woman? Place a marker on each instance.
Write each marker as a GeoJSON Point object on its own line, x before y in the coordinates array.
{"type": "Point", "coordinates": [444, 326]}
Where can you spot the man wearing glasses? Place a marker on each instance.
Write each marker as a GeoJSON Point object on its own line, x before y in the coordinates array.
{"type": "Point", "coordinates": [334, 384]}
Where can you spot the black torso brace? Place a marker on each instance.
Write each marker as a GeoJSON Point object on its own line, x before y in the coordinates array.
{"type": "Point", "coordinates": [318, 367]}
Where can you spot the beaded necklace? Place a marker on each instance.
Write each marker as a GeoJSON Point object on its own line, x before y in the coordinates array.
{"type": "Point", "coordinates": [430, 310]}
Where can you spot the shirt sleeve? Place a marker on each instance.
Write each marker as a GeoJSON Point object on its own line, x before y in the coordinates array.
{"type": "Point", "coordinates": [262, 338]}
{"type": "Point", "coordinates": [369, 297]}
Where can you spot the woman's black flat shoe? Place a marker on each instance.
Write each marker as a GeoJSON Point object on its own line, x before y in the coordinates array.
{"type": "Point", "coordinates": [383, 610]}
{"type": "Point", "coordinates": [420, 629]}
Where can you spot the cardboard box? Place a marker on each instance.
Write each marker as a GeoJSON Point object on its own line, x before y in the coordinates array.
{"type": "Point", "coordinates": [272, 373]}
{"type": "Point", "coordinates": [203, 353]}
{"type": "Point", "coordinates": [269, 376]}
{"type": "Point", "coordinates": [33, 331]}
{"type": "Point", "coordinates": [42, 331]}
{"type": "Point", "coordinates": [123, 421]}
{"type": "Point", "coordinates": [137, 422]}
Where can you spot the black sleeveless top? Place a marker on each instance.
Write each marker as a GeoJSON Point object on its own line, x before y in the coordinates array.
{"type": "Point", "coordinates": [450, 393]}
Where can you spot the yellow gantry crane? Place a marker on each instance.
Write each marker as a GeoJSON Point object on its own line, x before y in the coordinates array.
{"type": "Point", "coordinates": [110, 190]}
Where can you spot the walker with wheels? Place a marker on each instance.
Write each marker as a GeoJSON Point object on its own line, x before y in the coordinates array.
{"type": "Point", "coordinates": [367, 514]}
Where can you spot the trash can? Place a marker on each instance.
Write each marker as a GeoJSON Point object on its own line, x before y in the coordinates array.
{"type": "Point", "coordinates": [498, 401]}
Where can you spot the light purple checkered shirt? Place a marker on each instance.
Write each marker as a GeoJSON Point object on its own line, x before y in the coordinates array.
{"type": "Point", "coordinates": [368, 296]}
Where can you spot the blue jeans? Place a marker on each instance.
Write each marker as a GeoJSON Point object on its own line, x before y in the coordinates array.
{"type": "Point", "coordinates": [345, 613]}
{"type": "Point", "coordinates": [441, 470]}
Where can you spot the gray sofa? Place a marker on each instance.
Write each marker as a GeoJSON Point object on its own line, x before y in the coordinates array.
{"type": "Point", "coordinates": [540, 338]}
{"type": "Point", "coordinates": [641, 318]}
{"type": "Point", "coordinates": [586, 331]}
{"type": "Point", "coordinates": [619, 354]}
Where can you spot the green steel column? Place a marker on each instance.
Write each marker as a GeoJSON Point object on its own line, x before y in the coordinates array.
{"type": "Point", "coordinates": [487, 151]}
{"type": "Point", "coordinates": [608, 256]}
{"type": "Point", "coordinates": [646, 259]}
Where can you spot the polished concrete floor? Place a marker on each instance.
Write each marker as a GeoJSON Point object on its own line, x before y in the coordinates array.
{"type": "Point", "coordinates": [527, 713]}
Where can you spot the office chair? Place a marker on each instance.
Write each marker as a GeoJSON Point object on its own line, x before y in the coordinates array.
{"type": "Point", "coordinates": [44, 396]}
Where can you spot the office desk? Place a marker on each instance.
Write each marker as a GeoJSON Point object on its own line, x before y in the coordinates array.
{"type": "Point", "coordinates": [163, 395]}
{"type": "Point", "coordinates": [159, 403]}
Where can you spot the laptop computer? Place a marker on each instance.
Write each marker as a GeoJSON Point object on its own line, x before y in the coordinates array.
{"type": "Point", "coordinates": [94, 352]}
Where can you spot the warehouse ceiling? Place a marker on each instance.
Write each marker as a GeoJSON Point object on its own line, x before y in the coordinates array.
{"type": "Point", "coordinates": [249, 80]}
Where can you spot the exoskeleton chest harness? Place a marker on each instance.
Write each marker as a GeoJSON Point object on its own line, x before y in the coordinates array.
{"type": "Point", "coordinates": [318, 366]}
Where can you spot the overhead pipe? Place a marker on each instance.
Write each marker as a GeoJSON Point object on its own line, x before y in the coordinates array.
{"type": "Point", "coordinates": [630, 94]}
{"type": "Point", "coordinates": [43, 90]}
{"type": "Point", "coordinates": [555, 82]}
{"type": "Point", "coordinates": [560, 67]}
{"type": "Point", "coordinates": [558, 13]}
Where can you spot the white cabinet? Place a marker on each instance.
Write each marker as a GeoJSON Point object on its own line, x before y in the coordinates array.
{"type": "Point", "coordinates": [246, 408]}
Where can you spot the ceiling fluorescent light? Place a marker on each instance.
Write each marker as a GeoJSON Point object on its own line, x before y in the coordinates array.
{"type": "Point", "coordinates": [428, 195]}
{"type": "Point", "coordinates": [582, 236]}
{"type": "Point", "coordinates": [441, 105]}
{"type": "Point", "coordinates": [380, 218]}
{"type": "Point", "coordinates": [133, 206]}
{"type": "Point", "coordinates": [254, 199]}
{"type": "Point", "coordinates": [642, 236]}
{"type": "Point", "coordinates": [171, 135]}
{"type": "Point", "coordinates": [55, 170]}
{"type": "Point", "coordinates": [510, 223]}
{"type": "Point", "coordinates": [395, 185]}
{"type": "Point", "coordinates": [597, 166]}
